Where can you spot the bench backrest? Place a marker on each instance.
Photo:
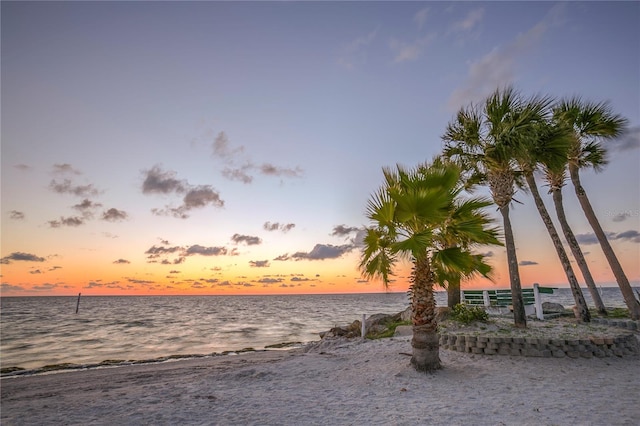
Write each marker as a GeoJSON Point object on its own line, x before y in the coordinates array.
{"type": "Point", "coordinates": [501, 297]}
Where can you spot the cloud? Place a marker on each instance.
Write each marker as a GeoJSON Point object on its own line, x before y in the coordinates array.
{"type": "Point", "coordinates": [268, 280]}
{"type": "Point", "coordinates": [487, 254]}
{"type": "Point", "coordinates": [259, 263]}
{"type": "Point", "coordinates": [300, 279]}
{"type": "Point", "coordinates": [22, 167]}
{"type": "Point", "coordinates": [137, 281]}
{"type": "Point", "coordinates": [271, 170]}
{"type": "Point", "coordinates": [195, 196]}
{"type": "Point", "coordinates": [201, 196]}
{"type": "Point", "coordinates": [620, 217]}
{"type": "Point", "coordinates": [277, 226]}
{"type": "Point", "coordinates": [155, 251]}
{"type": "Point", "coordinates": [627, 141]}
{"type": "Point", "coordinates": [404, 52]}
{"type": "Point", "coordinates": [65, 168]}
{"type": "Point", "coordinates": [205, 251]}
{"type": "Point", "coordinates": [157, 181]}
{"type": "Point", "coordinates": [496, 68]}
{"type": "Point", "coordinates": [527, 263]}
{"type": "Point", "coordinates": [67, 187]}
{"type": "Point", "coordinates": [469, 22]}
{"type": "Point", "coordinates": [420, 17]}
{"type": "Point", "coordinates": [222, 147]}
{"type": "Point", "coordinates": [16, 215]}
{"type": "Point", "coordinates": [86, 206]}
{"type": "Point", "coordinates": [36, 271]}
{"type": "Point", "coordinates": [591, 238]}
{"type": "Point", "coordinates": [45, 287]}
{"type": "Point", "coordinates": [21, 257]}
{"type": "Point", "coordinates": [239, 174]}
{"type": "Point", "coordinates": [282, 257]}
{"type": "Point", "coordinates": [6, 287]}
{"type": "Point", "coordinates": [121, 262]}
{"type": "Point", "coordinates": [248, 240]}
{"type": "Point", "coordinates": [323, 251]}
{"type": "Point", "coordinates": [630, 235]}
{"type": "Point", "coordinates": [114, 215]}
{"type": "Point", "coordinates": [354, 53]}
{"type": "Point", "coordinates": [342, 230]}
{"type": "Point", "coordinates": [66, 221]}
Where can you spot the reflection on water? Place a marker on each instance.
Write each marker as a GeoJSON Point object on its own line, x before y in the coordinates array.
{"type": "Point", "coordinates": [38, 331]}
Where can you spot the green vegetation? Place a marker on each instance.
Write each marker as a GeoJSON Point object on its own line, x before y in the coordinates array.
{"type": "Point", "coordinates": [468, 314]}
{"type": "Point", "coordinates": [389, 332]}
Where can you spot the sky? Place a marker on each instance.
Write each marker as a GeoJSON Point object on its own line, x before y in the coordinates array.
{"type": "Point", "coordinates": [231, 147]}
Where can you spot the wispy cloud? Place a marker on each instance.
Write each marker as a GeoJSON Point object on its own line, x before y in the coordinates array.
{"type": "Point", "coordinates": [158, 181]}
{"type": "Point", "coordinates": [21, 257]}
{"type": "Point", "coordinates": [276, 226]}
{"type": "Point", "coordinates": [354, 53]}
{"type": "Point", "coordinates": [627, 141]}
{"type": "Point", "coordinates": [114, 215]}
{"type": "Point", "coordinates": [319, 252]}
{"type": "Point", "coordinates": [259, 263]}
{"type": "Point", "coordinates": [527, 263]}
{"type": "Point", "coordinates": [421, 16]}
{"type": "Point", "coordinates": [410, 51]}
{"type": "Point", "coordinates": [247, 239]}
{"type": "Point", "coordinates": [342, 230]}
{"type": "Point", "coordinates": [72, 221]}
{"type": "Point", "coordinates": [121, 262]}
{"type": "Point", "coordinates": [65, 168]}
{"type": "Point", "coordinates": [16, 215]}
{"type": "Point", "coordinates": [631, 235]}
{"type": "Point", "coordinates": [469, 22]}
{"type": "Point", "coordinates": [67, 187]}
{"type": "Point", "coordinates": [496, 68]}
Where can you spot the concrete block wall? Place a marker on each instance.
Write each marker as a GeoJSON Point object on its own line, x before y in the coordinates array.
{"type": "Point", "coordinates": [620, 345]}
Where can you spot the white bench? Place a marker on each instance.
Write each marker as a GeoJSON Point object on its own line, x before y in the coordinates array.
{"type": "Point", "coordinates": [502, 299]}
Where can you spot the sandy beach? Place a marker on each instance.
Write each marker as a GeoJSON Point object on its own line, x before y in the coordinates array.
{"type": "Point", "coordinates": [334, 382]}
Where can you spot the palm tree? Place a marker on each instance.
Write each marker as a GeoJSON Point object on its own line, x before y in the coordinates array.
{"type": "Point", "coordinates": [593, 123]}
{"type": "Point", "coordinates": [408, 214]}
{"type": "Point", "coordinates": [484, 143]}
{"type": "Point", "coordinates": [548, 145]}
{"type": "Point", "coordinates": [555, 176]}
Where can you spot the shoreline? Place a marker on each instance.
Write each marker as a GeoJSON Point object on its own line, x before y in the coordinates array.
{"type": "Point", "coordinates": [335, 381]}
{"type": "Point", "coordinates": [602, 328]}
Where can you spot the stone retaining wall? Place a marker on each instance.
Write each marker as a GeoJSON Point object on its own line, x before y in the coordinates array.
{"type": "Point", "coordinates": [621, 323]}
{"type": "Point", "coordinates": [620, 345]}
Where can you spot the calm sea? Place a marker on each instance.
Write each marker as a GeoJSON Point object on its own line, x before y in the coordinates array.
{"type": "Point", "coordinates": [39, 331]}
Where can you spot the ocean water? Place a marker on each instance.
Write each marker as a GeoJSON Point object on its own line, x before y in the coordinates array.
{"type": "Point", "coordinates": [39, 331]}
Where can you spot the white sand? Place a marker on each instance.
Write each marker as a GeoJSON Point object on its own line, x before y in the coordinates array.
{"type": "Point", "coordinates": [334, 383]}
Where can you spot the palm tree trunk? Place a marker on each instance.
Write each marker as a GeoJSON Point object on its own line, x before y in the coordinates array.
{"type": "Point", "coordinates": [582, 313]}
{"type": "Point", "coordinates": [575, 249]}
{"type": "Point", "coordinates": [453, 294]}
{"type": "Point", "coordinates": [425, 342]}
{"type": "Point", "coordinates": [616, 268]}
{"type": "Point", "coordinates": [519, 315]}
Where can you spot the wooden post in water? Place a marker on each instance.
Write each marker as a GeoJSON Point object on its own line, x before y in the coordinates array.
{"type": "Point", "coordinates": [78, 303]}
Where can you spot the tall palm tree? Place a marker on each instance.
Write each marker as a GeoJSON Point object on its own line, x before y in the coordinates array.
{"type": "Point", "coordinates": [555, 176]}
{"type": "Point", "coordinates": [408, 214]}
{"type": "Point", "coordinates": [548, 145]}
{"type": "Point", "coordinates": [593, 123]}
{"type": "Point", "coordinates": [484, 142]}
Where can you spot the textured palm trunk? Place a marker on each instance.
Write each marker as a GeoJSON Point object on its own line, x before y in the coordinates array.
{"type": "Point", "coordinates": [582, 311]}
{"type": "Point", "coordinates": [501, 183]}
{"type": "Point", "coordinates": [575, 249]}
{"type": "Point", "coordinates": [453, 294]}
{"type": "Point", "coordinates": [623, 282]}
{"type": "Point", "coordinates": [519, 314]}
{"type": "Point", "coordinates": [425, 342]}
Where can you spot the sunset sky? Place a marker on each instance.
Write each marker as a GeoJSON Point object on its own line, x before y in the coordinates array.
{"type": "Point", "coordinates": [225, 148]}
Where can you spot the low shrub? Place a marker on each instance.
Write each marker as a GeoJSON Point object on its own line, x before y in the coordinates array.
{"type": "Point", "coordinates": [467, 314]}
